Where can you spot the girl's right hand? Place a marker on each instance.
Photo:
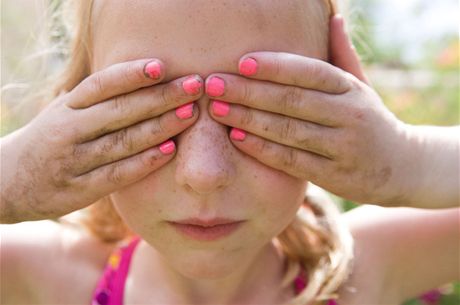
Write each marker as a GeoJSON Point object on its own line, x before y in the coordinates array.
{"type": "Point", "coordinates": [109, 131]}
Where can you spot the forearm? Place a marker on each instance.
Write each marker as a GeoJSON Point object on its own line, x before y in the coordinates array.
{"type": "Point", "coordinates": [10, 201]}
{"type": "Point", "coordinates": [435, 181]}
{"type": "Point", "coordinates": [18, 200]}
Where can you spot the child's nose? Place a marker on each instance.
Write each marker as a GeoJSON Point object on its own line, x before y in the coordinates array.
{"type": "Point", "coordinates": [204, 156]}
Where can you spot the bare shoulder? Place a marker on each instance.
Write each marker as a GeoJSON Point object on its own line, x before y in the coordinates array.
{"type": "Point", "coordinates": [368, 282]}
{"type": "Point", "coordinates": [48, 262]}
{"type": "Point", "coordinates": [390, 246]}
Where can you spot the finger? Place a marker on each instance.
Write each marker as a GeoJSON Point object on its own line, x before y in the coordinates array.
{"type": "Point", "coordinates": [115, 80]}
{"type": "Point", "coordinates": [126, 110]}
{"type": "Point", "coordinates": [127, 142]}
{"type": "Point", "coordinates": [342, 53]}
{"type": "Point", "coordinates": [294, 162]}
{"type": "Point", "coordinates": [294, 70]}
{"type": "Point", "coordinates": [121, 173]}
{"type": "Point", "coordinates": [309, 105]}
{"type": "Point", "coordinates": [277, 128]}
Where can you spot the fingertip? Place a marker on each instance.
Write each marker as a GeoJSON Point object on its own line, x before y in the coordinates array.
{"type": "Point", "coordinates": [338, 18]}
{"type": "Point", "coordinates": [186, 111]}
{"type": "Point", "coordinates": [219, 108]}
{"type": "Point", "coordinates": [257, 56]}
{"type": "Point", "coordinates": [154, 158]}
{"type": "Point", "coordinates": [192, 84]}
{"type": "Point", "coordinates": [337, 24]}
{"type": "Point", "coordinates": [237, 134]}
{"type": "Point", "coordinates": [215, 85]}
{"type": "Point", "coordinates": [168, 147]}
{"type": "Point", "coordinates": [248, 66]}
{"type": "Point", "coordinates": [154, 69]}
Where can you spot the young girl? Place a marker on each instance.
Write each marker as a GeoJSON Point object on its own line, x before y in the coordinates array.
{"type": "Point", "coordinates": [197, 220]}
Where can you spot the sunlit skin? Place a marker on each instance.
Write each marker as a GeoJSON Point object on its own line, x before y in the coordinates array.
{"type": "Point", "coordinates": [208, 177]}
{"type": "Point", "coordinates": [69, 155]}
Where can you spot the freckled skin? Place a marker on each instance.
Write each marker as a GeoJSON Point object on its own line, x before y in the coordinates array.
{"type": "Point", "coordinates": [208, 176]}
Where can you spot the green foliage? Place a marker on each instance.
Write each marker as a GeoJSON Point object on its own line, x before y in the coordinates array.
{"type": "Point", "coordinates": [436, 103]}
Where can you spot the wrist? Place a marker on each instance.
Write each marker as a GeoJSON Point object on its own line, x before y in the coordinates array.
{"type": "Point", "coordinates": [406, 157]}
{"type": "Point", "coordinates": [433, 168]}
{"type": "Point", "coordinates": [10, 197]}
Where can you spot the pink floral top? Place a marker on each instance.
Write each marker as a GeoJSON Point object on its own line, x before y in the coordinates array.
{"type": "Point", "coordinates": [110, 288]}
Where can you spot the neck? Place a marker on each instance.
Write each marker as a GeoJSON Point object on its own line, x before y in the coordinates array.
{"type": "Point", "coordinates": [255, 281]}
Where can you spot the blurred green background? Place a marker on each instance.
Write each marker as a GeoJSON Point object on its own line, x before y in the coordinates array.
{"type": "Point", "coordinates": [410, 50]}
{"type": "Point", "coordinates": [411, 53]}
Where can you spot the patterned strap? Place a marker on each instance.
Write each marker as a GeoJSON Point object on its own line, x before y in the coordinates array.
{"type": "Point", "coordinates": [110, 289]}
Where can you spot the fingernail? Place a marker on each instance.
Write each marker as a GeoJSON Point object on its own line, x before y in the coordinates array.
{"type": "Point", "coordinates": [248, 67]}
{"type": "Point", "coordinates": [220, 108]}
{"type": "Point", "coordinates": [167, 147]}
{"type": "Point", "coordinates": [152, 70]}
{"type": "Point", "coordinates": [185, 111]}
{"type": "Point", "coordinates": [237, 134]}
{"type": "Point", "coordinates": [192, 85]}
{"type": "Point", "coordinates": [215, 86]}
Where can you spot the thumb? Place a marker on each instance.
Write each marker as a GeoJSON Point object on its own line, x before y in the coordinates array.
{"type": "Point", "coordinates": [342, 53]}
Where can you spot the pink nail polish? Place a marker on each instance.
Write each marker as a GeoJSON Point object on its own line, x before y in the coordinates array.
{"type": "Point", "coordinates": [192, 85]}
{"type": "Point", "coordinates": [248, 67]}
{"type": "Point", "coordinates": [185, 111]}
{"type": "Point", "coordinates": [215, 86]}
{"type": "Point", "coordinates": [167, 147]}
{"type": "Point", "coordinates": [237, 134]}
{"type": "Point", "coordinates": [220, 108]}
{"type": "Point", "coordinates": [152, 70]}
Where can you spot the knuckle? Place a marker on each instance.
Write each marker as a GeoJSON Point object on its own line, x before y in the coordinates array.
{"type": "Point", "coordinates": [318, 75]}
{"type": "Point", "coordinates": [247, 117]}
{"type": "Point", "coordinates": [308, 136]}
{"type": "Point", "coordinates": [157, 128]}
{"type": "Point", "coordinates": [359, 115]}
{"type": "Point", "coordinates": [97, 83]}
{"type": "Point", "coordinates": [61, 173]}
{"type": "Point", "coordinates": [315, 71]}
{"type": "Point", "coordinates": [132, 74]}
{"type": "Point", "coordinates": [115, 175]}
{"type": "Point", "coordinates": [290, 99]}
{"type": "Point", "coordinates": [278, 65]}
{"type": "Point", "coordinates": [152, 159]}
{"type": "Point", "coordinates": [265, 147]}
{"type": "Point", "coordinates": [79, 151]}
{"type": "Point", "coordinates": [288, 129]}
{"type": "Point", "coordinates": [350, 82]}
{"type": "Point", "coordinates": [166, 96]}
{"type": "Point", "coordinates": [247, 97]}
{"type": "Point", "coordinates": [290, 159]}
{"type": "Point", "coordinates": [56, 135]}
{"type": "Point", "coordinates": [106, 146]}
{"type": "Point", "coordinates": [123, 139]}
{"type": "Point", "coordinates": [119, 105]}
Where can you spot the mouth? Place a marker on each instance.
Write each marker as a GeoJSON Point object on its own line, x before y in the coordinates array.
{"type": "Point", "coordinates": [206, 230]}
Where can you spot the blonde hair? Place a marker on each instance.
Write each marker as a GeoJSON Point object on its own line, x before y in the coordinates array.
{"type": "Point", "coordinates": [317, 240]}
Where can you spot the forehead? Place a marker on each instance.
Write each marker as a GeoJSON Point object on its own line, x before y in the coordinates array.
{"type": "Point", "coordinates": [205, 36]}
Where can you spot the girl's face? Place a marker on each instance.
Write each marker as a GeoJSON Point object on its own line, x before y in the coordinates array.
{"type": "Point", "coordinates": [209, 177]}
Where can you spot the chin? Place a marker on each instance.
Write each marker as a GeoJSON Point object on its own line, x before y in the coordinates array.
{"type": "Point", "coordinates": [207, 266]}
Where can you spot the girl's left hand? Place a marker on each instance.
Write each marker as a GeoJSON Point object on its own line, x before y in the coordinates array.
{"type": "Point", "coordinates": [316, 122]}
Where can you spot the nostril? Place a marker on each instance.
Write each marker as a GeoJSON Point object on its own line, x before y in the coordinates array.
{"type": "Point", "coordinates": [202, 190]}
{"type": "Point", "coordinates": [204, 171]}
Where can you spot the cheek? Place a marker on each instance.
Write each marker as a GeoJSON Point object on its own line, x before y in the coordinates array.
{"type": "Point", "coordinates": [279, 196]}
{"type": "Point", "coordinates": [142, 203]}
